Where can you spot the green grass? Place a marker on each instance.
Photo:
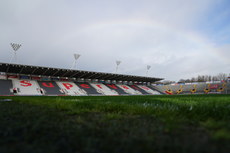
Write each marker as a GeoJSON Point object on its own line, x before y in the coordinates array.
{"type": "Point", "coordinates": [117, 124]}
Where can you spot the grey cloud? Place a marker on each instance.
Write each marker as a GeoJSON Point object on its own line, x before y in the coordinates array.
{"type": "Point", "coordinates": [106, 31]}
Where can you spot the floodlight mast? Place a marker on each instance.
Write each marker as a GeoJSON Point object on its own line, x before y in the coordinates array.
{"type": "Point", "coordinates": [117, 63]}
{"type": "Point", "coordinates": [76, 56]}
{"type": "Point", "coordinates": [148, 67]}
{"type": "Point", "coordinates": [15, 47]}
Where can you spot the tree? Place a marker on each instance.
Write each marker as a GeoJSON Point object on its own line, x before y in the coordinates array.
{"type": "Point", "coordinates": [200, 78]}
{"type": "Point", "coordinates": [221, 76]}
{"type": "Point", "coordinates": [181, 81]}
{"type": "Point", "coordinates": [214, 78]}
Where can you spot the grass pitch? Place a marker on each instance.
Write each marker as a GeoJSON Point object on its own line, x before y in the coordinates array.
{"type": "Point", "coordinates": [119, 124]}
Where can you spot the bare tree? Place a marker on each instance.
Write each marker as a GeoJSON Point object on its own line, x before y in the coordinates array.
{"type": "Point", "coordinates": [221, 76]}
{"type": "Point", "coordinates": [200, 78]}
{"type": "Point", "coordinates": [204, 78]}
{"type": "Point", "coordinates": [209, 78]}
{"type": "Point", "coordinates": [194, 79]}
{"type": "Point", "coordinates": [181, 81]}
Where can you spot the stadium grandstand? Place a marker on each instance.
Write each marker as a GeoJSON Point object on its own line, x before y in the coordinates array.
{"type": "Point", "coordinates": [17, 79]}
{"type": "Point", "coordinates": [218, 87]}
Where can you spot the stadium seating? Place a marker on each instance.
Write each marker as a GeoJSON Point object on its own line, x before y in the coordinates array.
{"type": "Point", "coordinates": [6, 87]}
{"type": "Point", "coordinates": [195, 88]}
{"type": "Point", "coordinates": [70, 88]}
{"type": "Point", "coordinates": [137, 88]}
{"type": "Point", "coordinates": [189, 89]}
{"type": "Point", "coordinates": [88, 88]}
{"type": "Point", "coordinates": [3, 77]}
{"type": "Point", "coordinates": [129, 90]}
{"type": "Point", "coordinates": [101, 88]}
{"type": "Point", "coordinates": [50, 88]}
{"type": "Point", "coordinates": [116, 88]}
{"type": "Point", "coordinates": [149, 90]}
{"type": "Point", "coordinates": [162, 89]}
{"type": "Point", "coordinates": [15, 86]}
{"type": "Point", "coordinates": [26, 87]}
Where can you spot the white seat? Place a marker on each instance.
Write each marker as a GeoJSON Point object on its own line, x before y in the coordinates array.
{"type": "Point", "coordinates": [147, 89]}
{"type": "Point", "coordinates": [101, 88]}
{"type": "Point", "coordinates": [26, 87]}
{"type": "Point", "coordinates": [70, 88]}
{"type": "Point", "coordinates": [129, 90]}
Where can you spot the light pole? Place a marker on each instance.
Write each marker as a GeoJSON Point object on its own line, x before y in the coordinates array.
{"type": "Point", "coordinates": [15, 47]}
{"type": "Point", "coordinates": [148, 67]}
{"type": "Point", "coordinates": [117, 63]}
{"type": "Point", "coordinates": [76, 56]}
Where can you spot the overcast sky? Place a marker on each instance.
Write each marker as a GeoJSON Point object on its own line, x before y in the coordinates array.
{"type": "Point", "coordinates": [178, 38]}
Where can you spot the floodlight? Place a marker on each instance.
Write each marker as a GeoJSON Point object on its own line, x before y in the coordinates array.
{"type": "Point", "coordinates": [148, 67]}
{"type": "Point", "coordinates": [117, 63]}
{"type": "Point", "coordinates": [15, 47]}
{"type": "Point", "coordinates": [76, 56]}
